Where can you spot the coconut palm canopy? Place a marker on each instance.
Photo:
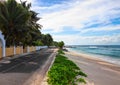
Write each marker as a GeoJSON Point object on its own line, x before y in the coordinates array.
{"type": "Point", "coordinates": [17, 22]}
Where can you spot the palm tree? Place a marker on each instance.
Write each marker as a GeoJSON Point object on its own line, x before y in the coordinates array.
{"type": "Point", "coordinates": [61, 44]}
{"type": "Point", "coordinates": [34, 27]}
{"type": "Point", "coordinates": [47, 39]}
{"type": "Point", "coordinates": [14, 20]}
{"type": "Point", "coordinates": [33, 20]}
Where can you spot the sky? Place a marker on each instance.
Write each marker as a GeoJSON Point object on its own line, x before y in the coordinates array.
{"type": "Point", "coordinates": [80, 22]}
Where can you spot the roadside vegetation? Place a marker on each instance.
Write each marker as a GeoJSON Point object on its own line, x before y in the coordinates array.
{"type": "Point", "coordinates": [60, 52]}
{"type": "Point", "coordinates": [65, 72]}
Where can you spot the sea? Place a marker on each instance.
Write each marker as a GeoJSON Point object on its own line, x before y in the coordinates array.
{"type": "Point", "coordinates": [109, 53]}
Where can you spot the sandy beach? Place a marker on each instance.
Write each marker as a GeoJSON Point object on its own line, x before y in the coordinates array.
{"type": "Point", "coordinates": [99, 71]}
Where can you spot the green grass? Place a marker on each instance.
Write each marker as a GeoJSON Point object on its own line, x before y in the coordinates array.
{"type": "Point", "coordinates": [60, 51]}
{"type": "Point", "coordinates": [65, 72]}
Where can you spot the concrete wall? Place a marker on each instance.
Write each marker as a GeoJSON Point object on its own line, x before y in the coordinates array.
{"type": "Point", "coordinates": [19, 50]}
{"type": "Point", "coordinates": [0, 52]}
{"type": "Point", "coordinates": [15, 50]}
{"type": "Point", "coordinates": [9, 51]}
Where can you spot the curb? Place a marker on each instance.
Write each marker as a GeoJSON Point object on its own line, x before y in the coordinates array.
{"type": "Point", "coordinates": [44, 82]}
{"type": "Point", "coordinates": [38, 77]}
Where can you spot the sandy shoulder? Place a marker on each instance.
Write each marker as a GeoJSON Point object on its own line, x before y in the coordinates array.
{"type": "Point", "coordinates": [98, 60]}
{"type": "Point", "coordinates": [99, 71]}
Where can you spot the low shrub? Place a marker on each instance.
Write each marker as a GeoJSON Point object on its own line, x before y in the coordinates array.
{"type": "Point", "coordinates": [65, 72]}
{"type": "Point", "coordinates": [60, 51]}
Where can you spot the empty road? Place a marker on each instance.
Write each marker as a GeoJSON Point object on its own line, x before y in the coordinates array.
{"type": "Point", "coordinates": [25, 69]}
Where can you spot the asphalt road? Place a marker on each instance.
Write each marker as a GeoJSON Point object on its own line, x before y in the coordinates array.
{"type": "Point", "coordinates": [19, 70]}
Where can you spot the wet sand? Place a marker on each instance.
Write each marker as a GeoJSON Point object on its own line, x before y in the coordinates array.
{"type": "Point", "coordinates": [99, 72]}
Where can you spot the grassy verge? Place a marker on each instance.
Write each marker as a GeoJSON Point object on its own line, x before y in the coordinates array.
{"type": "Point", "coordinates": [65, 72]}
{"type": "Point", "coordinates": [60, 52]}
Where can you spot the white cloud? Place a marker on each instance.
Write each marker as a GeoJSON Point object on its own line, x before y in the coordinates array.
{"type": "Point", "coordinates": [104, 28]}
{"type": "Point", "coordinates": [85, 40]}
{"type": "Point", "coordinates": [29, 1]}
{"type": "Point", "coordinates": [77, 14]}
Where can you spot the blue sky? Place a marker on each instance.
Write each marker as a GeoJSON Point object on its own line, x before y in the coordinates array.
{"type": "Point", "coordinates": [84, 22]}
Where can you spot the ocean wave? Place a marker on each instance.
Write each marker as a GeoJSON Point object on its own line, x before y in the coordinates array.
{"type": "Point", "coordinates": [108, 53]}
{"type": "Point", "coordinates": [93, 47]}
